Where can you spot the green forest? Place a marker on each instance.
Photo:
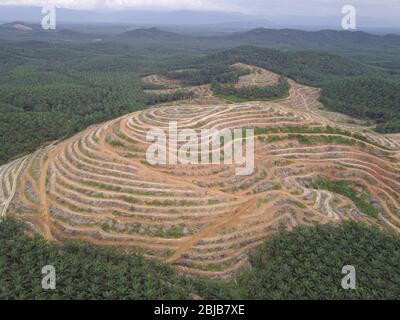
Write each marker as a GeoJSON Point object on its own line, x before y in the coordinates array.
{"type": "Point", "coordinates": [373, 98]}
{"type": "Point", "coordinates": [305, 263]}
{"type": "Point", "coordinates": [51, 91]}
{"type": "Point", "coordinates": [356, 89]}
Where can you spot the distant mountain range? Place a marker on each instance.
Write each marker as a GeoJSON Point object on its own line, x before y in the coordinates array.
{"type": "Point", "coordinates": [22, 31]}
{"type": "Point", "coordinates": [320, 39]}
{"type": "Point", "coordinates": [185, 20]}
{"type": "Point", "coordinates": [278, 38]}
{"type": "Point", "coordinates": [151, 33]}
{"type": "Point", "coordinates": [134, 17]}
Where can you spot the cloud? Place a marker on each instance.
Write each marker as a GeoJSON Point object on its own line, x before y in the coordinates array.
{"type": "Point", "coordinates": [124, 4]}
{"type": "Point", "coordinates": [381, 8]}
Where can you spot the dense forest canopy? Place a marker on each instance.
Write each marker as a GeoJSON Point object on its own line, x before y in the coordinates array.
{"type": "Point", "coordinates": [374, 98]}
{"type": "Point", "coordinates": [305, 263]}
{"type": "Point", "coordinates": [348, 86]}
{"type": "Point", "coordinates": [308, 262]}
{"type": "Point", "coordinates": [311, 67]}
{"type": "Point", "coordinates": [50, 91]}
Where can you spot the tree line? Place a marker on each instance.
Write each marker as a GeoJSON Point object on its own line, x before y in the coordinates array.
{"type": "Point", "coordinates": [303, 264]}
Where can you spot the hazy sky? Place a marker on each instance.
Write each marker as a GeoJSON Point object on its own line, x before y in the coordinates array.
{"type": "Point", "coordinates": [372, 8]}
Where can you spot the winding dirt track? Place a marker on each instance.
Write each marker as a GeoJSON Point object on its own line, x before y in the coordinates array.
{"type": "Point", "coordinates": [98, 187]}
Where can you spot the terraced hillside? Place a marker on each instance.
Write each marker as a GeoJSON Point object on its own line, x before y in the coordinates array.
{"type": "Point", "coordinates": [97, 186]}
{"type": "Point", "coordinates": [256, 77]}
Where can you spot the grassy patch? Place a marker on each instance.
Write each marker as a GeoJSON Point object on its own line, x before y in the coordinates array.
{"type": "Point", "coordinates": [347, 189]}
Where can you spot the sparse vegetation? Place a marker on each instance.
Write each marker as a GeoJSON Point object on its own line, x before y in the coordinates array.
{"type": "Point", "coordinates": [230, 92]}
{"type": "Point", "coordinates": [348, 189]}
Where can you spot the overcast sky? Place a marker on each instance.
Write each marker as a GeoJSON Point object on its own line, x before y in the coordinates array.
{"type": "Point", "coordinates": [372, 8]}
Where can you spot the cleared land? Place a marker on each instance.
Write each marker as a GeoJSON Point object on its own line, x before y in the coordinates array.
{"type": "Point", "coordinates": [98, 187]}
{"type": "Point", "coordinates": [256, 77]}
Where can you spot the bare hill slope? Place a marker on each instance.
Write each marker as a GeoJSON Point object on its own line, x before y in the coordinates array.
{"type": "Point", "coordinates": [98, 187]}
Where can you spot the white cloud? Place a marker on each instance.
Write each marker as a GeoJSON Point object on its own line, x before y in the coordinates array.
{"type": "Point", "coordinates": [122, 4]}
{"type": "Point", "coordinates": [382, 8]}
